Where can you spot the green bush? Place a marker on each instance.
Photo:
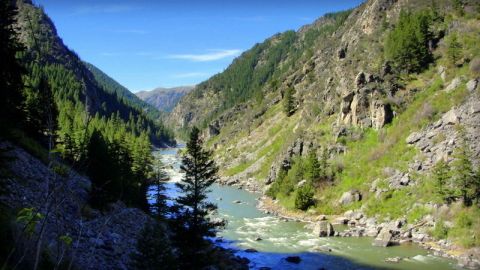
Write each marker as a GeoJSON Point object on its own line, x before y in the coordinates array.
{"type": "Point", "coordinates": [304, 197]}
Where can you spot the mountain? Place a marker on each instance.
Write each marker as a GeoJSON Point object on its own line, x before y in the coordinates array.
{"type": "Point", "coordinates": [353, 114]}
{"type": "Point", "coordinates": [164, 99]}
{"type": "Point", "coordinates": [121, 92]}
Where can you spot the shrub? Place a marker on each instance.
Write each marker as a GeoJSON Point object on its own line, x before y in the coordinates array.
{"type": "Point", "coordinates": [304, 197]}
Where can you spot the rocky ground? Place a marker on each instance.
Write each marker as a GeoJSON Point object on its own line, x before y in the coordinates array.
{"type": "Point", "coordinates": [72, 232]}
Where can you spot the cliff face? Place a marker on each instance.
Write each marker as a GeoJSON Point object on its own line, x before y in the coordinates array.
{"type": "Point", "coordinates": [164, 99]}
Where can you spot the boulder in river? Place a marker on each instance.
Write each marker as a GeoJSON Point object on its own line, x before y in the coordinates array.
{"type": "Point", "coordinates": [323, 229]}
{"type": "Point", "coordinates": [383, 239]}
{"type": "Point", "coordinates": [293, 259]}
{"type": "Point", "coordinates": [251, 250]}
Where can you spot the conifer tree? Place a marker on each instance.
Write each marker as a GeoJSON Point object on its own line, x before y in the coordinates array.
{"type": "Point", "coordinates": [11, 70]}
{"type": "Point", "coordinates": [192, 222]}
{"type": "Point", "coordinates": [463, 176]}
{"type": "Point", "coordinates": [289, 102]}
{"type": "Point", "coordinates": [442, 178]}
{"type": "Point", "coordinates": [454, 50]}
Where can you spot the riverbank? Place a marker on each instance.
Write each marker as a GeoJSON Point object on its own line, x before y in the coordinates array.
{"type": "Point", "coordinates": [390, 233]}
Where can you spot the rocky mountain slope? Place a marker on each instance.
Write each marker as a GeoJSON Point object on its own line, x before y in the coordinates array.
{"type": "Point", "coordinates": [164, 99]}
{"type": "Point", "coordinates": [381, 129]}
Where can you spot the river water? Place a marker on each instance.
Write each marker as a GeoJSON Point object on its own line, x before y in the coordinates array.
{"type": "Point", "coordinates": [281, 238]}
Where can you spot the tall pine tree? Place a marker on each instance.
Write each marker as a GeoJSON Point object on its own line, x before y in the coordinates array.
{"type": "Point", "coordinates": [193, 222]}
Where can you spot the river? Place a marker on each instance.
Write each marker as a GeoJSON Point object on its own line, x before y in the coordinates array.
{"type": "Point", "coordinates": [280, 239]}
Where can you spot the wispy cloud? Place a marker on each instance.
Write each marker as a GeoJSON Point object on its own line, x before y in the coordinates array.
{"type": "Point", "coordinates": [207, 57]}
{"type": "Point", "coordinates": [190, 75]}
{"type": "Point", "coordinates": [104, 8]}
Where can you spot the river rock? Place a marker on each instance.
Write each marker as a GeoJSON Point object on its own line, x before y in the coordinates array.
{"type": "Point", "coordinates": [350, 197]}
{"type": "Point", "coordinates": [323, 229]}
{"type": "Point", "coordinates": [383, 239]}
{"type": "Point", "coordinates": [393, 260]}
{"type": "Point", "coordinates": [251, 250]}
{"type": "Point", "coordinates": [293, 259]}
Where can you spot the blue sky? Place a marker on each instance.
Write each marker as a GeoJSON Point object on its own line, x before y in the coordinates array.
{"type": "Point", "coordinates": [144, 44]}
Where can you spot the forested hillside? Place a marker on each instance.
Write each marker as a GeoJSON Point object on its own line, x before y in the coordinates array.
{"type": "Point", "coordinates": [55, 106]}
{"type": "Point", "coordinates": [357, 113]}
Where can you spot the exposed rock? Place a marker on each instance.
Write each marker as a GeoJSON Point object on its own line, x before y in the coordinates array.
{"type": "Point", "coordinates": [251, 250]}
{"type": "Point", "coordinates": [393, 260]}
{"type": "Point", "coordinates": [323, 229]}
{"type": "Point", "coordinates": [472, 85]}
{"type": "Point", "coordinates": [293, 259]}
{"type": "Point", "coordinates": [350, 197]}
{"type": "Point", "coordinates": [384, 238]}
{"type": "Point", "coordinates": [414, 137]}
{"type": "Point", "coordinates": [301, 183]}
{"type": "Point", "coordinates": [453, 85]}
{"type": "Point", "coordinates": [451, 117]}
{"type": "Point", "coordinates": [360, 80]}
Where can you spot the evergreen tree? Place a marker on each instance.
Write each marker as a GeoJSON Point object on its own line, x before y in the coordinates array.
{"type": "Point", "coordinates": [442, 176]}
{"type": "Point", "coordinates": [454, 49]}
{"type": "Point", "coordinates": [289, 102]}
{"type": "Point", "coordinates": [407, 44]}
{"type": "Point", "coordinates": [463, 176]}
{"type": "Point", "coordinates": [304, 197]}
{"type": "Point", "coordinates": [159, 207]}
{"type": "Point", "coordinates": [154, 249]}
{"type": "Point", "coordinates": [193, 223]}
{"type": "Point", "coordinates": [313, 170]}
{"type": "Point", "coordinates": [10, 68]}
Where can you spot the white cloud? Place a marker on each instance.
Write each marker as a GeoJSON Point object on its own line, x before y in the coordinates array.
{"type": "Point", "coordinates": [206, 57]}
{"type": "Point", "coordinates": [190, 75]}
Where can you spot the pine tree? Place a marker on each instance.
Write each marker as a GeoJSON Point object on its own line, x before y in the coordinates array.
{"type": "Point", "coordinates": [289, 102]}
{"type": "Point", "coordinates": [159, 207]}
{"type": "Point", "coordinates": [192, 222]}
{"type": "Point", "coordinates": [154, 249]}
{"type": "Point", "coordinates": [407, 44]}
{"type": "Point", "coordinates": [463, 176]}
{"type": "Point", "coordinates": [313, 167]}
{"type": "Point", "coordinates": [454, 50]}
{"type": "Point", "coordinates": [442, 176]}
{"type": "Point", "coordinates": [11, 70]}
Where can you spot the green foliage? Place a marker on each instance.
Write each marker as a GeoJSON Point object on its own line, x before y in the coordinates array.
{"type": "Point", "coordinates": [454, 49]}
{"type": "Point", "coordinates": [440, 231]}
{"type": "Point", "coordinates": [304, 197]}
{"type": "Point", "coordinates": [289, 101]}
{"type": "Point", "coordinates": [192, 220]}
{"type": "Point", "coordinates": [443, 181]}
{"type": "Point", "coordinates": [407, 44]}
{"type": "Point", "coordinates": [154, 249]}
{"type": "Point", "coordinates": [464, 175]}
{"type": "Point", "coordinates": [11, 69]}
{"type": "Point", "coordinates": [29, 218]}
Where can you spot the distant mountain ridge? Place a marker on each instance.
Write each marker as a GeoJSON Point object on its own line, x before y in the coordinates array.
{"type": "Point", "coordinates": [164, 99]}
